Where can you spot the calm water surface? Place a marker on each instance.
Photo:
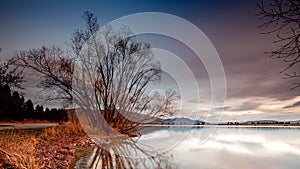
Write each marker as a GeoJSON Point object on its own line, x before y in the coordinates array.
{"type": "Point", "coordinates": [202, 148]}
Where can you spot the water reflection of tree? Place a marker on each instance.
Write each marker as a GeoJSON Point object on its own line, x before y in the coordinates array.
{"type": "Point", "coordinates": [128, 154]}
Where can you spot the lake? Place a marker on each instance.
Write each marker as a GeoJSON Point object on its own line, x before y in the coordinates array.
{"type": "Point", "coordinates": [201, 148]}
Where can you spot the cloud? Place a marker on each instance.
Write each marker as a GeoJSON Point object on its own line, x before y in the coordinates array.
{"type": "Point", "coordinates": [196, 101]}
{"type": "Point", "coordinates": [249, 73]}
{"type": "Point", "coordinates": [223, 108]}
{"type": "Point", "coordinates": [247, 105]}
{"type": "Point", "coordinates": [296, 104]}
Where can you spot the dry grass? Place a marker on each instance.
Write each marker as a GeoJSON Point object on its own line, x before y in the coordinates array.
{"type": "Point", "coordinates": [18, 147]}
{"type": "Point", "coordinates": [62, 130]}
{"type": "Point", "coordinates": [18, 150]}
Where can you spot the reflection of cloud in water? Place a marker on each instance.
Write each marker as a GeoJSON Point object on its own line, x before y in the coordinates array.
{"type": "Point", "coordinates": [159, 135]}
{"type": "Point", "coordinates": [164, 139]}
{"type": "Point", "coordinates": [214, 145]}
{"type": "Point", "coordinates": [281, 147]}
{"type": "Point", "coordinates": [236, 148]}
{"type": "Point", "coordinates": [240, 138]}
{"type": "Point", "coordinates": [238, 143]}
{"type": "Point", "coordinates": [228, 148]}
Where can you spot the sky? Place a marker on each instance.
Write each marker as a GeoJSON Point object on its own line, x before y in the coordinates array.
{"type": "Point", "coordinates": [255, 88]}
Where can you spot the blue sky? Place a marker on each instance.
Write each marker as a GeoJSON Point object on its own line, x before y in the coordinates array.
{"type": "Point", "coordinates": [255, 90]}
{"type": "Point", "coordinates": [46, 22]}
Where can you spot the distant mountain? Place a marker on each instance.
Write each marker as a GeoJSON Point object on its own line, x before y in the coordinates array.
{"type": "Point", "coordinates": [270, 122]}
{"type": "Point", "coordinates": [295, 122]}
{"type": "Point", "coordinates": [261, 122]}
{"type": "Point", "coordinates": [187, 121]}
{"type": "Point", "coordinates": [181, 120]}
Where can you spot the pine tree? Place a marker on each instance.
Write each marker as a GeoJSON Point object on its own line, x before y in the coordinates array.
{"type": "Point", "coordinates": [28, 109]}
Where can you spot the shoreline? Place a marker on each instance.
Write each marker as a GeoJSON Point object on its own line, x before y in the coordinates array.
{"type": "Point", "coordinates": [7, 126]}
{"type": "Point", "coordinates": [225, 125]}
{"type": "Point", "coordinates": [36, 125]}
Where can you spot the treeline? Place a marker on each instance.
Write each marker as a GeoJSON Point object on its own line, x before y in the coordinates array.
{"type": "Point", "coordinates": [14, 107]}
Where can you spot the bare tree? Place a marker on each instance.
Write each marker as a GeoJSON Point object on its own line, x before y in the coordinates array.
{"type": "Point", "coordinates": [54, 69]}
{"type": "Point", "coordinates": [107, 77]}
{"type": "Point", "coordinates": [10, 75]}
{"type": "Point", "coordinates": [111, 76]}
{"type": "Point", "coordinates": [282, 18]}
